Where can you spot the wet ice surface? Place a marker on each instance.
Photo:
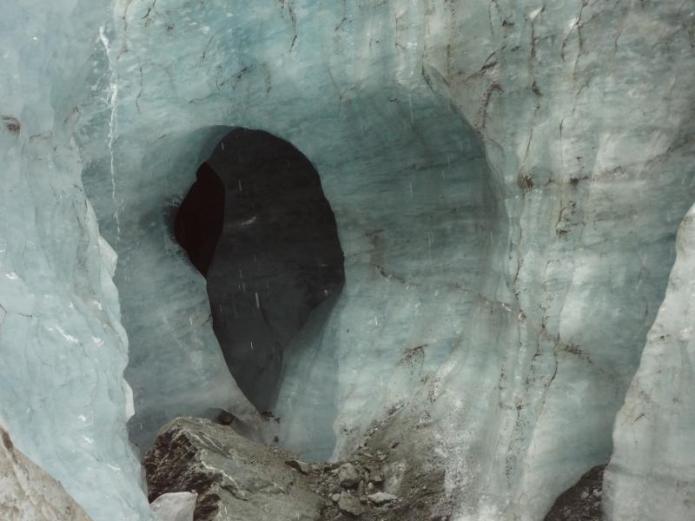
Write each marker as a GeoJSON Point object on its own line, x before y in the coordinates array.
{"type": "Point", "coordinates": [507, 181]}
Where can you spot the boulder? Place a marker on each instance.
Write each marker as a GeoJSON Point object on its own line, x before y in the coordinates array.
{"type": "Point", "coordinates": [349, 504]}
{"type": "Point", "coordinates": [236, 479]}
{"type": "Point", "coordinates": [174, 506]}
{"type": "Point", "coordinates": [301, 466]}
{"type": "Point", "coordinates": [381, 498]}
{"type": "Point", "coordinates": [348, 475]}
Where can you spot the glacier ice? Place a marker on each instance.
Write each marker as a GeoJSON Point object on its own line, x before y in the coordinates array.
{"type": "Point", "coordinates": [62, 347]}
{"type": "Point", "coordinates": [391, 154]}
{"type": "Point", "coordinates": [652, 472]}
{"type": "Point", "coordinates": [507, 178]}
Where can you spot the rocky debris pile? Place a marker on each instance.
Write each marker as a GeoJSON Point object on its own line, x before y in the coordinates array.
{"type": "Point", "coordinates": [236, 479]}
{"type": "Point", "coordinates": [394, 475]}
{"type": "Point", "coordinates": [354, 488]}
{"type": "Point", "coordinates": [582, 502]}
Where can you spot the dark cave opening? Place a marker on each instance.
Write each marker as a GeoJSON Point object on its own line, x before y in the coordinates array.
{"type": "Point", "coordinates": [258, 226]}
{"type": "Point", "coordinates": [200, 218]}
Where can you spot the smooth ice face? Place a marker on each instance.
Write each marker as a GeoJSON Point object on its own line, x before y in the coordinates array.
{"type": "Point", "coordinates": [652, 472]}
{"type": "Point", "coordinates": [62, 347]}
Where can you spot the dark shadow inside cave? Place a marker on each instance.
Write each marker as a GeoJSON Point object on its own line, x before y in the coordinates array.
{"type": "Point", "coordinates": [200, 218]}
{"type": "Point", "coordinates": [257, 224]}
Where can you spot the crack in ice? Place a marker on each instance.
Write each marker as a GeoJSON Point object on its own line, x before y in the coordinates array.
{"type": "Point", "coordinates": [112, 101]}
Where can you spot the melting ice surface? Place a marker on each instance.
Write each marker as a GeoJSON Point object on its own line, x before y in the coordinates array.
{"type": "Point", "coordinates": [507, 180]}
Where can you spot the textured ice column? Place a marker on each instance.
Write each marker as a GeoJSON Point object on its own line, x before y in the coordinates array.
{"type": "Point", "coordinates": [651, 476]}
{"type": "Point", "coordinates": [63, 351]}
{"type": "Point", "coordinates": [134, 175]}
{"type": "Point", "coordinates": [176, 366]}
{"type": "Point", "coordinates": [587, 126]}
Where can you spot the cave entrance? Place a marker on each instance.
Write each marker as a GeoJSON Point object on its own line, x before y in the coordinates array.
{"type": "Point", "coordinates": [257, 225]}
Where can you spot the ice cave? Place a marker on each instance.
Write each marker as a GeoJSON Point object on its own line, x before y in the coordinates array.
{"type": "Point", "coordinates": [257, 224]}
{"type": "Point", "coordinates": [378, 260]}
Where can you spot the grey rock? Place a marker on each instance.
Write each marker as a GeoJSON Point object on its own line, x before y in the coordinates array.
{"type": "Point", "coordinates": [351, 505]}
{"type": "Point", "coordinates": [376, 478]}
{"type": "Point", "coordinates": [582, 501]}
{"type": "Point", "coordinates": [28, 493]}
{"type": "Point", "coordinates": [174, 506]}
{"type": "Point", "coordinates": [301, 466]}
{"type": "Point", "coordinates": [348, 476]}
{"type": "Point", "coordinates": [361, 488]}
{"type": "Point", "coordinates": [235, 479]}
{"type": "Point", "coordinates": [381, 498]}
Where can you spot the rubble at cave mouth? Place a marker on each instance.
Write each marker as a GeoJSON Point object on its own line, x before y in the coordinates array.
{"type": "Point", "coordinates": [257, 225]}
{"type": "Point", "coordinates": [389, 477]}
